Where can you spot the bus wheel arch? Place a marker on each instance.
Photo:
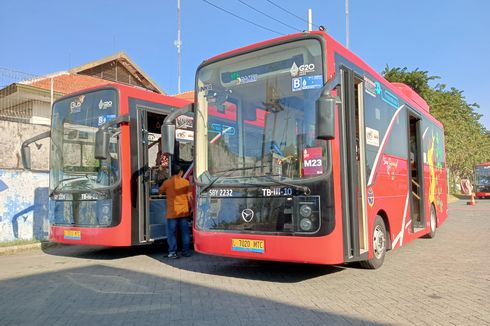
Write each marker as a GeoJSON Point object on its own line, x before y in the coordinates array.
{"type": "Point", "coordinates": [384, 216]}
{"type": "Point", "coordinates": [379, 241]}
{"type": "Point", "coordinates": [433, 222]}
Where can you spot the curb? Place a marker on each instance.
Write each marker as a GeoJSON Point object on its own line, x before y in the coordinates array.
{"type": "Point", "coordinates": [21, 248]}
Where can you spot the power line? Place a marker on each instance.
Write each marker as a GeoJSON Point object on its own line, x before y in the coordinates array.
{"type": "Point", "coordinates": [293, 14]}
{"type": "Point", "coordinates": [269, 16]}
{"type": "Point", "coordinates": [241, 18]}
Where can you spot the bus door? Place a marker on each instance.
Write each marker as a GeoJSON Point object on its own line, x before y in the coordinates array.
{"type": "Point", "coordinates": [352, 134]}
{"type": "Point", "coordinates": [152, 171]}
{"type": "Point", "coordinates": [416, 172]}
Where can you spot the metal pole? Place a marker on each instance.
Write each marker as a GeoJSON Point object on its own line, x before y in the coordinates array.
{"type": "Point", "coordinates": [178, 46]}
{"type": "Point", "coordinates": [310, 18]}
{"type": "Point", "coordinates": [347, 23]}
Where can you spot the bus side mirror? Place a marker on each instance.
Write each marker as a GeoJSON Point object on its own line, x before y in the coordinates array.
{"type": "Point", "coordinates": [168, 138]}
{"type": "Point", "coordinates": [102, 144]}
{"type": "Point", "coordinates": [26, 157]}
{"type": "Point", "coordinates": [325, 117]}
{"type": "Point", "coordinates": [26, 150]}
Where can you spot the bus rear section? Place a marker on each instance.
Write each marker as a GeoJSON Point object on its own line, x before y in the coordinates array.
{"type": "Point", "coordinates": [106, 165]}
{"type": "Point", "coordinates": [482, 180]}
{"type": "Point", "coordinates": [302, 155]}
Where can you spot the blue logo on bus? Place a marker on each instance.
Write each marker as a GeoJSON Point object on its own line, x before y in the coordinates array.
{"type": "Point", "coordinates": [391, 99]}
{"type": "Point", "coordinates": [307, 82]}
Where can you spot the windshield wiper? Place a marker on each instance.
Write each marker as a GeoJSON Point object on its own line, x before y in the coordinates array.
{"type": "Point", "coordinates": [92, 189]}
{"type": "Point", "coordinates": [306, 190]}
{"type": "Point", "coordinates": [227, 173]}
{"type": "Point", "coordinates": [62, 181]}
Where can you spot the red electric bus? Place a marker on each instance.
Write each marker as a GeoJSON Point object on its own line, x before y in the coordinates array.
{"type": "Point", "coordinates": [303, 153]}
{"type": "Point", "coordinates": [482, 180]}
{"type": "Point", "coordinates": [106, 167]}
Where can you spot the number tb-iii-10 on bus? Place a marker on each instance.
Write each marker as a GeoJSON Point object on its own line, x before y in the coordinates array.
{"type": "Point", "coordinates": [106, 164]}
{"type": "Point", "coordinates": [304, 153]}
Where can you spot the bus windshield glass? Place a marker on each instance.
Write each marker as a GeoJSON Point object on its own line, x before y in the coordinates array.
{"type": "Point", "coordinates": [482, 175]}
{"type": "Point", "coordinates": [255, 115]}
{"type": "Point", "coordinates": [75, 120]}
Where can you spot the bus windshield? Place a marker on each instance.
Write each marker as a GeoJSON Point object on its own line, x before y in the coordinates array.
{"type": "Point", "coordinates": [255, 115]}
{"type": "Point", "coordinates": [482, 175]}
{"type": "Point", "coordinates": [75, 120]}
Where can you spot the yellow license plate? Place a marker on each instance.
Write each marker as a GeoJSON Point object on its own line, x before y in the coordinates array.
{"type": "Point", "coordinates": [248, 245]}
{"type": "Point", "coordinates": [72, 234]}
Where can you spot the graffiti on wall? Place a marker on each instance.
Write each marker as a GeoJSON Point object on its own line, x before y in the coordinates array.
{"type": "Point", "coordinates": [23, 205]}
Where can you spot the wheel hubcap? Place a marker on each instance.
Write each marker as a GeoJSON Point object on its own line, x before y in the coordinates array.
{"type": "Point", "coordinates": [379, 242]}
{"type": "Point", "coordinates": [432, 220]}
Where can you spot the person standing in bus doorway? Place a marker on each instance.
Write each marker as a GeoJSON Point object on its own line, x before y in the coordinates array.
{"type": "Point", "coordinates": [179, 199]}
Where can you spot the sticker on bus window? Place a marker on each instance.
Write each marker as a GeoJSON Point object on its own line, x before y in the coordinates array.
{"type": "Point", "coordinates": [390, 98]}
{"type": "Point", "coordinates": [372, 137]}
{"type": "Point", "coordinates": [103, 105]}
{"type": "Point", "coordinates": [105, 118]}
{"type": "Point", "coordinates": [302, 70]}
{"type": "Point", "coordinates": [369, 86]}
{"type": "Point", "coordinates": [312, 161]}
{"type": "Point", "coordinates": [183, 135]}
{"type": "Point", "coordinates": [247, 79]}
{"type": "Point", "coordinates": [306, 82]}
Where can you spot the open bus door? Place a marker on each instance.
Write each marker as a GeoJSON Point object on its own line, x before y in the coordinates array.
{"type": "Point", "coordinates": [154, 165]}
{"type": "Point", "coordinates": [151, 223]}
{"type": "Point", "coordinates": [352, 134]}
{"type": "Point", "coordinates": [416, 172]}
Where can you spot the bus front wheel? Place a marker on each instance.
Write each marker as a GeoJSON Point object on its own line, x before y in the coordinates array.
{"type": "Point", "coordinates": [379, 245]}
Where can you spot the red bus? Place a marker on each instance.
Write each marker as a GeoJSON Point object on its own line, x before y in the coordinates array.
{"type": "Point", "coordinates": [303, 153]}
{"type": "Point", "coordinates": [106, 167]}
{"type": "Point", "coordinates": [482, 180]}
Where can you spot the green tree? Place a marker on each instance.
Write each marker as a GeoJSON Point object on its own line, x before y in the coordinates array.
{"type": "Point", "coordinates": [467, 141]}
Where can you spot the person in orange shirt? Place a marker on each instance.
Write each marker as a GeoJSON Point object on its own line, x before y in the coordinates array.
{"type": "Point", "coordinates": [179, 199]}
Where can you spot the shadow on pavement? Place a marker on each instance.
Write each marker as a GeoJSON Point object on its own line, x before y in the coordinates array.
{"type": "Point", "coordinates": [102, 295]}
{"type": "Point", "coordinates": [229, 267]}
{"type": "Point", "coordinates": [276, 272]}
{"type": "Point", "coordinates": [103, 253]}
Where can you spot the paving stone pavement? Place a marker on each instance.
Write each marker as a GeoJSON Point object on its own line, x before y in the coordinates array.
{"type": "Point", "coordinates": [440, 281]}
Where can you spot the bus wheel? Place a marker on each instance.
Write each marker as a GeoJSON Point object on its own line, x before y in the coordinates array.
{"type": "Point", "coordinates": [433, 223]}
{"type": "Point", "coordinates": [379, 245]}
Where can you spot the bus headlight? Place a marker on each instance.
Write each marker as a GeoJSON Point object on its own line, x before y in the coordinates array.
{"type": "Point", "coordinates": [307, 214]}
{"type": "Point", "coordinates": [306, 224]}
{"type": "Point", "coordinates": [305, 211]}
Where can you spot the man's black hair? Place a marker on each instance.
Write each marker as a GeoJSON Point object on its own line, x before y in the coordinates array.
{"type": "Point", "coordinates": [176, 169]}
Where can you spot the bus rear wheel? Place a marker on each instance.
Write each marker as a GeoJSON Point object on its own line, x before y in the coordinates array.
{"type": "Point", "coordinates": [379, 245]}
{"type": "Point", "coordinates": [433, 223]}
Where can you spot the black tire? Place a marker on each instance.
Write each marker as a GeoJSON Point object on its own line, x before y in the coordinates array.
{"type": "Point", "coordinates": [379, 243]}
{"type": "Point", "coordinates": [433, 223]}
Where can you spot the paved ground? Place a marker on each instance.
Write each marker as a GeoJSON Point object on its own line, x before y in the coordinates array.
{"type": "Point", "coordinates": [443, 281]}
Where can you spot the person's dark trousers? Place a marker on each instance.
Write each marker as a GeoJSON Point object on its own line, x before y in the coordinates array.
{"type": "Point", "coordinates": [184, 232]}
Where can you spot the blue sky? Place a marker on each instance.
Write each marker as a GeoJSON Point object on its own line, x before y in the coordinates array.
{"type": "Point", "coordinates": [449, 39]}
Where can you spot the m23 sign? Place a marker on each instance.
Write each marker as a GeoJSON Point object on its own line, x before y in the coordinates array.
{"type": "Point", "coordinates": [312, 161]}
